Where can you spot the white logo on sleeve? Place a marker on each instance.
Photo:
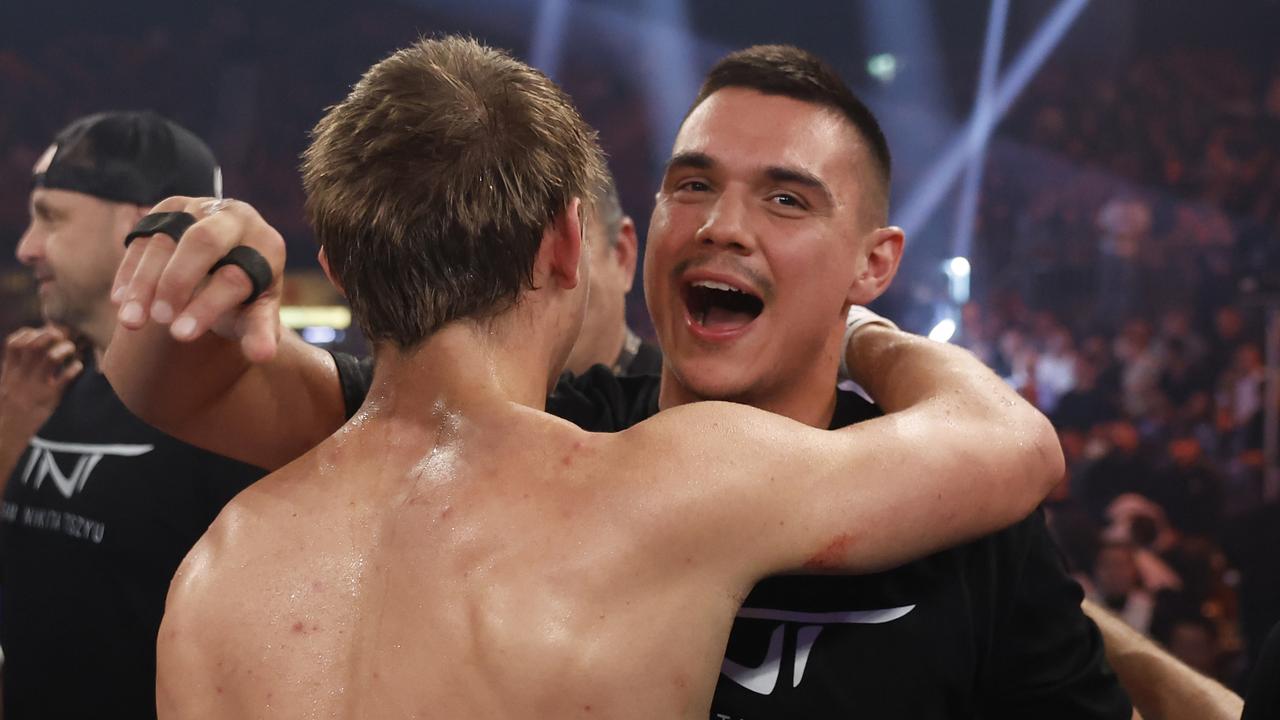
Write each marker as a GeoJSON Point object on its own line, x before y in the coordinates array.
{"type": "Point", "coordinates": [84, 457]}
{"type": "Point", "coordinates": [763, 679]}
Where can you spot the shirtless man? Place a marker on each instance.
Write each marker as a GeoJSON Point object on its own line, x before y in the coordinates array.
{"type": "Point", "coordinates": [453, 551]}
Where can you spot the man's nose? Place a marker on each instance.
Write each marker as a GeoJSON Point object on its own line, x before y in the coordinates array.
{"type": "Point", "coordinates": [729, 224]}
{"type": "Point", "coordinates": [30, 246]}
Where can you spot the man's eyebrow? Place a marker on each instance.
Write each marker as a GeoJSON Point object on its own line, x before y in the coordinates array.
{"type": "Point", "coordinates": [799, 177]}
{"type": "Point", "coordinates": [41, 209]}
{"type": "Point", "coordinates": [690, 160]}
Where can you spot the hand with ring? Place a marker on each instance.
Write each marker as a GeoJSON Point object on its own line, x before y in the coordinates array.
{"type": "Point", "coordinates": [222, 272]}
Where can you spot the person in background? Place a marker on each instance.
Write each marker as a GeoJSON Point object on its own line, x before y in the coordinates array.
{"type": "Point", "coordinates": [606, 339]}
{"type": "Point", "coordinates": [99, 507]}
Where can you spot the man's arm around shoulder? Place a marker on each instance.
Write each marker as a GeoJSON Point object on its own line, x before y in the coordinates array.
{"type": "Point", "coordinates": [958, 456]}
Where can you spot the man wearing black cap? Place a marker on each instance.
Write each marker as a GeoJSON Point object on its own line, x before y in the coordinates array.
{"type": "Point", "coordinates": [99, 507]}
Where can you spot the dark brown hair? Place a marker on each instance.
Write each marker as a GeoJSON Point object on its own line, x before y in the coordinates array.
{"type": "Point", "coordinates": [800, 75]}
{"type": "Point", "coordinates": [429, 187]}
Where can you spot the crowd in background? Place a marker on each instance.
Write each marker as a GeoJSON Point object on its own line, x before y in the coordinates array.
{"type": "Point", "coordinates": [1135, 241]}
{"type": "Point", "coordinates": [1128, 239]}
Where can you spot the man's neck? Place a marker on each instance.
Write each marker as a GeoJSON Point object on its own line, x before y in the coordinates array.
{"type": "Point", "coordinates": [603, 347]}
{"type": "Point", "coordinates": [98, 330]}
{"type": "Point", "coordinates": [465, 364]}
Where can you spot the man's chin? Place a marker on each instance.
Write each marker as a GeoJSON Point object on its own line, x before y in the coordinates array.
{"type": "Point", "coordinates": [712, 380]}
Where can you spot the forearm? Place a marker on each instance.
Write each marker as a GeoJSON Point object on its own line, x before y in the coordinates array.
{"type": "Point", "coordinates": [963, 421]}
{"type": "Point", "coordinates": [1161, 686]}
{"type": "Point", "coordinates": [206, 393]}
{"type": "Point", "coordinates": [166, 382]}
{"type": "Point", "coordinates": [902, 371]}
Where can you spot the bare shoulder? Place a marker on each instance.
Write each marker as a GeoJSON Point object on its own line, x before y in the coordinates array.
{"type": "Point", "coordinates": [198, 578]}
{"type": "Point", "coordinates": [709, 431]}
{"type": "Point", "coordinates": [682, 419]}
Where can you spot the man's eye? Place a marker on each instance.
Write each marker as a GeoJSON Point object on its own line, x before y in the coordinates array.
{"type": "Point", "coordinates": [693, 185]}
{"type": "Point", "coordinates": [787, 200]}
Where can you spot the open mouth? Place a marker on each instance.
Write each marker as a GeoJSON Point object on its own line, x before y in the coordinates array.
{"type": "Point", "coordinates": [721, 307]}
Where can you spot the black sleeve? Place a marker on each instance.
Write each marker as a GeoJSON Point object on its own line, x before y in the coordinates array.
{"type": "Point", "coordinates": [596, 400]}
{"type": "Point", "coordinates": [223, 477]}
{"type": "Point", "coordinates": [1047, 656]}
{"type": "Point", "coordinates": [600, 401]}
{"type": "Point", "coordinates": [1263, 700]}
{"type": "Point", "coordinates": [356, 375]}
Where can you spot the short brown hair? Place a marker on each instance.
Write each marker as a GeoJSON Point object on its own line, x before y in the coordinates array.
{"type": "Point", "coordinates": [429, 187]}
{"type": "Point", "coordinates": [800, 75]}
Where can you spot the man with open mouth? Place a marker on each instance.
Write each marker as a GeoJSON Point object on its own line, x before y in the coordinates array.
{"type": "Point", "coordinates": [769, 224]}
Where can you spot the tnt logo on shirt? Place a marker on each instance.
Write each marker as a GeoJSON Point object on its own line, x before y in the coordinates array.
{"type": "Point", "coordinates": [763, 679]}
{"type": "Point", "coordinates": [48, 459]}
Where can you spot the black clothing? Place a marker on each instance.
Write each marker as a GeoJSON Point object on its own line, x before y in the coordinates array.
{"type": "Point", "coordinates": [637, 357]}
{"type": "Point", "coordinates": [646, 359]}
{"type": "Point", "coordinates": [1263, 699]}
{"type": "Point", "coordinates": [1250, 543]}
{"type": "Point", "coordinates": [97, 516]}
{"type": "Point", "coordinates": [990, 629]}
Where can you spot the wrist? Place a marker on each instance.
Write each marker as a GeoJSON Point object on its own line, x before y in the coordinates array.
{"type": "Point", "coordinates": [862, 324]}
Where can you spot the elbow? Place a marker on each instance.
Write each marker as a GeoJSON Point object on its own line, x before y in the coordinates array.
{"type": "Point", "coordinates": [1046, 464]}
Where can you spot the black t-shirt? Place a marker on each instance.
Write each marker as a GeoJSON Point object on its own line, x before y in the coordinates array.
{"type": "Point", "coordinates": [97, 515]}
{"type": "Point", "coordinates": [1263, 700]}
{"type": "Point", "coordinates": [991, 629]}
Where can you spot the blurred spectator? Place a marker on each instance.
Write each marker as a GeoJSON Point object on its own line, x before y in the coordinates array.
{"type": "Point", "coordinates": [1189, 488]}
{"type": "Point", "coordinates": [1121, 467]}
{"type": "Point", "coordinates": [1116, 585]}
{"type": "Point", "coordinates": [1193, 639]}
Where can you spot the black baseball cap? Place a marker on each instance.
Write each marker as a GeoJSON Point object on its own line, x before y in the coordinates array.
{"type": "Point", "coordinates": [132, 157]}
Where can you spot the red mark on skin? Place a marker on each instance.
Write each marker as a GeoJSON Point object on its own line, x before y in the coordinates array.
{"type": "Point", "coordinates": [448, 510]}
{"type": "Point", "coordinates": [586, 708]}
{"type": "Point", "coordinates": [219, 689]}
{"type": "Point", "coordinates": [567, 460]}
{"type": "Point", "coordinates": [833, 555]}
{"type": "Point", "coordinates": [317, 586]}
{"type": "Point", "coordinates": [315, 628]}
{"type": "Point", "coordinates": [298, 627]}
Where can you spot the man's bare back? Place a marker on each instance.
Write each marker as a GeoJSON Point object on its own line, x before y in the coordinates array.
{"type": "Point", "coordinates": [514, 570]}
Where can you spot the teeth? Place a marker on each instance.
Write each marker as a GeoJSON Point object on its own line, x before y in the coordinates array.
{"type": "Point", "coordinates": [716, 285]}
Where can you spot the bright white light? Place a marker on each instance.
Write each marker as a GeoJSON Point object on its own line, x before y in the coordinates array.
{"type": "Point", "coordinates": [943, 331]}
{"type": "Point", "coordinates": [319, 335]}
{"type": "Point", "coordinates": [882, 67]}
{"type": "Point", "coordinates": [958, 267]}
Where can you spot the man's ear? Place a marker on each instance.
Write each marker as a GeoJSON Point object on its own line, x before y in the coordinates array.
{"type": "Point", "coordinates": [324, 265]}
{"type": "Point", "coordinates": [627, 248]}
{"type": "Point", "coordinates": [562, 246]}
{"type": "Point", "coordinates": [882, 254]}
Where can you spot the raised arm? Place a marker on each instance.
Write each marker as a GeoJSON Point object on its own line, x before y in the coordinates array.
{"type": "Point", "coordinates": [958, 455]}
{"type": "Point", "coordinates": [189, 358]}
